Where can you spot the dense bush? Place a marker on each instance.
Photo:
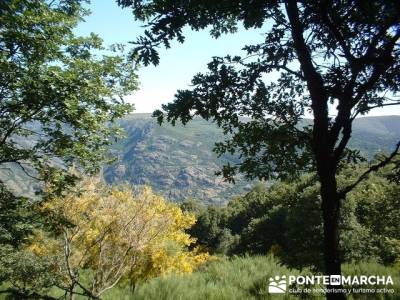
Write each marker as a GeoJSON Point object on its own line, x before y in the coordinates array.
{"type": "Point", "coordinates": [240, 278]}
{"type": "Point", "coordinates": [101, 236]}
{"type": "Point", "coordinates": [210, 230]}
{"type": "Point", "coordinates": [285, 219]}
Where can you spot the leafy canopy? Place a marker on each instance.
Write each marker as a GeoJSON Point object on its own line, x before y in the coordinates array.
{"type": "Point", "coordinates": [59, 91]}
{"type": "Point", "coordinates": [272, 221]}
{"type": "Point", "coordinates": [59, 96]}
{"type": "Point", "coordinates": [338, 59]}
{"type": "Point", "coordinates": [115, 234]}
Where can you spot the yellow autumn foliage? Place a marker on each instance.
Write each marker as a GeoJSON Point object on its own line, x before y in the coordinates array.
{"type": "Point", "coordinates": [41, 245]}
{"type": "Point", "coordinates": [118, 234]}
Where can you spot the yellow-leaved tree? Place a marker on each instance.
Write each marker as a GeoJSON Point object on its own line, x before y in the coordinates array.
{"type": "Point", "coordinates": [111, 234]}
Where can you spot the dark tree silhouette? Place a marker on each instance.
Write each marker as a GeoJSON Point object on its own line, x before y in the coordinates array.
{"type": "Point", "coordinates": [336, 59]}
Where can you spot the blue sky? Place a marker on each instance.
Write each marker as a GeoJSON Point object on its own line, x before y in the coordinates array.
{"type": "Point", "coordinates": [177, 64]}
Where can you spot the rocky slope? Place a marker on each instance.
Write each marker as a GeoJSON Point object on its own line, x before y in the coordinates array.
{"type": "Point", "coordinates": [178, 161]}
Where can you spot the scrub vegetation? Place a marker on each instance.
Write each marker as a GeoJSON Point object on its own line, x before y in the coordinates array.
{"type": "Point", "coordinates": [79, 218]}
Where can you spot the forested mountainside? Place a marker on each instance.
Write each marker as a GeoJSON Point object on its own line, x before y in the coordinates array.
{"type": "Point", "coordinates": [178, 161]}
{"type": "Point", "coordinates": [175, 160]}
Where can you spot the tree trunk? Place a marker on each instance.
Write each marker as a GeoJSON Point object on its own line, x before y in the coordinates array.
{"type": "Point", "coordinates": [323, 145]}
{"type": "Point", "coordinates": [331, 214]}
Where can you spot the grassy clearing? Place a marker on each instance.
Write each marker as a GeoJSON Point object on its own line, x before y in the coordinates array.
{"type": "Point", "coordinates": [243, 278]}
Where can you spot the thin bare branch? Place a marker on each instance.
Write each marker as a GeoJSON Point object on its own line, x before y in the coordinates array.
{"type": "Point", "coordinates": [373, 168]}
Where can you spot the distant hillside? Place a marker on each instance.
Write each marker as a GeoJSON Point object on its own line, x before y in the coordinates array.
{"type": "Point", "coordinates": [375, 134]}
{"type": "Point", "coordinates": [178, 161]}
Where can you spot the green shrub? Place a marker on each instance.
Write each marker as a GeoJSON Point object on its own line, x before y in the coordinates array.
{"type": "Point", "coordinates": [374, 268]}
{"type": "Point", "coordinates": [239, 278]}
{"type": "Point", "coordinates": [285, 219]}
{"type": "Point", "coordinates": [242, 278]}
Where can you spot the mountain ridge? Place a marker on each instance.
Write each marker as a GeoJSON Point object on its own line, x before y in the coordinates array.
{"type": "Point", "coordinates": [178, 162]}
